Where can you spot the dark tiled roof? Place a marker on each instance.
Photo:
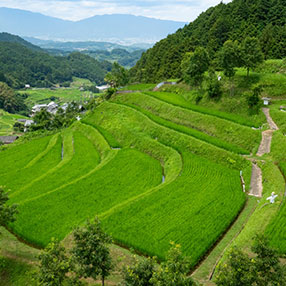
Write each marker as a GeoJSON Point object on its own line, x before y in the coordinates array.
{"type": "Point", "coordinates": [8, 139]}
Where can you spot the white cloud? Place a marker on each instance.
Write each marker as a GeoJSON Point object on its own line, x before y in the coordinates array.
{"type": "Point", "coordinates": [186, 10]}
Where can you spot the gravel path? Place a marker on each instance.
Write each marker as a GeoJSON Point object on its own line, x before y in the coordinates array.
{"type": "Point", "coordinates": [256, 186]}
{"type": "Point", "coordinates": [270, 121]}
{"type": "Point", "coordinates": [265, 145]}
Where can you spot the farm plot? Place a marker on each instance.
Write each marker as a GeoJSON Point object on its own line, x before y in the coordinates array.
{"type": "Point", "coordinates": [97, 191]}
{"type": "Point", "coordinates": [225, 134]}
{"type": "Point", "coordinates": [276, 230]}
{"type": "Point", "coordinates": [278, 116]}
{"type": "Point", "coordinates": [45, 95]}
{"type": "Point", "coordinates": [47, 160]}
{"type": "Point", "coordinates": [84, 158]}
{"type": "Point", "coordinates": [179, 100]}
{"type": "Point", "coordinates": [204, 192]}
{"type": "Point", "coordinates": [20, 155]}
{"type": "Point", "coordinates": [161, 184]}
{"type": "Point", "coordinates": [7, 121]}
{"type": "Point", "coordinates": [129, 127]}
{"type": "Point", "coordinates": [194, 210]}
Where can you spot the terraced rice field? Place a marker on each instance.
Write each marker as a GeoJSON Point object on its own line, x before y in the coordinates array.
{"type": "Point", "coordinates": [276, 230]}
{"type": "Point", "coordinates": [152, 171]}
{"type": "Point", "coordinates": [7, 121]}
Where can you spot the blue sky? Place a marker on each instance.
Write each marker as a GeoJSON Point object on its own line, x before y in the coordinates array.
{"type": "Point", "coordinates": [185, 11]}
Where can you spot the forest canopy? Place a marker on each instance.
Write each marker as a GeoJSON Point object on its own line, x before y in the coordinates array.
{"type": "Point", "coordinates": [263, 19]}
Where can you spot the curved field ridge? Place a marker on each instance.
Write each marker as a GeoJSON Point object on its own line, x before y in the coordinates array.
{"type": "Point", "coordinates": [46, 160]}
{"type": "Point", "coordinates": [149, 179]}
{"type": "Point", "coordinates": [65, 208]}
{"type": "Point", "coordinates": [19, 156]}
{"type": "Point", "coordinates": [229, 135]}
{"type": "Point", "coordinates": [178, 100]}
{"type": "Point", "coordinates": [193, 211]}
{"type": "Point", "coordinates": [188, 131]}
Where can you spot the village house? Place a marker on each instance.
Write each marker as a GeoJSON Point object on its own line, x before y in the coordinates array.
{"type": "Point", "coordinates": [8, 139]}
{"type": "Point", "coordinates": [266, 100]}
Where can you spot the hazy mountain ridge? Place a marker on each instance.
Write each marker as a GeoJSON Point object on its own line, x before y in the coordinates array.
{"type": "Point", "coordinates": [119, 28]}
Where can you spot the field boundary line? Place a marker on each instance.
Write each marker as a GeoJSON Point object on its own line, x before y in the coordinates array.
{"type": "Point", "coordinates": [221, 142]}
{"type": "Point", "coordinates": [100, 147]}
{"type": "Point", "coordinates": [65, 160]}
{"type": "Point", "coordinates": [180, 132]}
{"type": "Point", "coordinates": [232, 240]}
{"type": "Point", "coordinates": [51, 144]}
{"type": "Point", "coordinates": [142, 195]}
{"type": "Point", "coordinates": [111, 155]}
{"type": "Point", "coordinates": [197, 111]}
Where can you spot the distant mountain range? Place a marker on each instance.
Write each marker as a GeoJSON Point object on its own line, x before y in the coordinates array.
{"type": "Point", "coordinates": [116, 28]}
{"type": "Point", "coordinates": [85, 46]}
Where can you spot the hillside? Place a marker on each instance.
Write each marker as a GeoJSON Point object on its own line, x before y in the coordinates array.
{"type": "Point", "coordinates": [171, 165]}
{"type": "Point", "coordinates": [5, 37]}
{"type": "Point", "coordinates": [182, 161]}
{"type": "Point", "coordinates": [240, 18]}
{"type": "Point", "coordinates": [124, 29]}
{"type": "Point", "coordinates": [21, 65]}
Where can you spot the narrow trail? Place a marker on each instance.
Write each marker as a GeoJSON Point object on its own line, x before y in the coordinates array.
{"type": "Point", "coordinates": [265, 145]}
{"type": "Point", "coordinates": [256, 186]}
{"type": "Point", "coordinates": [270, 121]}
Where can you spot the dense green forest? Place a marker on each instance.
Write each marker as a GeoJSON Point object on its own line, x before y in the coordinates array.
{"type": "Point", "coordinates": [21, 65]}
{"type": "Point", "coordinates": [123, 57]}
{"type": "Point", "coordinates": [264, 19]}
{"type": "Point", "coordinates": [6, 37]}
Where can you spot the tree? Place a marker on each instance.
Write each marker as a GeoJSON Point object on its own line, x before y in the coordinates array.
{"type": "Point", "coordinates": [43, 120]}
{"type": "Point", "coordinates": [117, 77]}
{"type": "Point", "coordinates": [268, 270]}
{"type": "Point", "coordinates": [54, 265]}
{"type": "Point", "coordinates": [7, 213]}
{"type": "Point", "coordinates": [214, 89]}
{"type": "Point", "coordinates": [195, 65]}
{"type": "Point", "coordinates": [251, 53]}
{"type": "Point", "coordinates": [262, 270]}
{"type": "Point", "coordinates": [236, 271]}
{"type": "Point", "coordinates": [253, 99]}
{"type": "Point", "coordinates": [140, 273]}
{"type": "Point", "coordinates": [91, 251]}
{"type": "Point", "coordinates": [229, 58]}
{"type": "Point", "coordinates": [174, 271]}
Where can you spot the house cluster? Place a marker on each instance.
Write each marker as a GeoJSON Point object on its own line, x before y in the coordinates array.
{"type": "Point", "coordinates": [52, 108]}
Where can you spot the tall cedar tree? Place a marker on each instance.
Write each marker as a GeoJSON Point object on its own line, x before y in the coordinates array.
{"type": "Point", "coordinates": [251, 53]}
{"type": "Point", "coordinates": [229, 58]}
{"type": "Point", "coordinates": [197, 64]}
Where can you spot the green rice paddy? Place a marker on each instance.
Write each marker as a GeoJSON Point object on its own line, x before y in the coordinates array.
{"type": "Point", "coordinates": [152, 170]}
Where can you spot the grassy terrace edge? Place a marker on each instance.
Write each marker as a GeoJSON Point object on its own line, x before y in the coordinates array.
{"type": "Point", "coordinates": [187, 105]}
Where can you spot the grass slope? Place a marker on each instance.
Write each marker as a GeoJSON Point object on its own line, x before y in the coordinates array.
{"type": "Point", "coordinates": [237, 138]}
{"type": "Point", "coordinates": [7, 120]}
{"type": "Point", "coordinates": [179, 100]}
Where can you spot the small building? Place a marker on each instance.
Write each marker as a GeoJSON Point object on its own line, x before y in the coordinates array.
{"type": "Point", "coordinates": [52, 107]}
{"type": "Point", "coordinates": [27, 86]}
{"type": "Point", "coordinates": [103, 87]}
{"type": "Point", "coordinates": [27, 124]}
{"type": "Point", "coordinates": [38, 108]}
{"type": "Point", "coordinates": [8, 139]}
{"type": "Point", "coordinates": [22, 120]}
{"type": "Point", "coordinates": [266, 100]}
